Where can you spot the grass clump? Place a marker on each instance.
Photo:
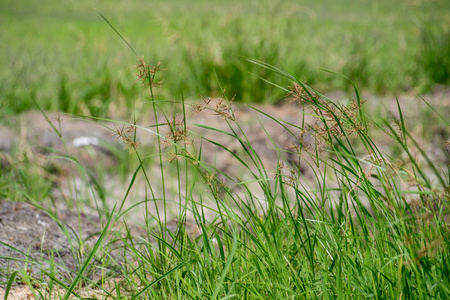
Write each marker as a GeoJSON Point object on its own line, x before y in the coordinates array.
{"type": "Point", "coordinates": [369, 223]}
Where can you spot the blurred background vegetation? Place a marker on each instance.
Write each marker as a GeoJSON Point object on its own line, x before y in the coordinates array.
{"type": "Point", "coordinates": [64, 56]}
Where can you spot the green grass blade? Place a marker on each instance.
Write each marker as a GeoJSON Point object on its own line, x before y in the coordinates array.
{"type": "Point", "coordinates": [226, 268]}
{"type": "Point", "coordinates": [123, 39]}
{"type": "Point", "coordinates": [9, 284]}
{"type": "Point", "coordinates": [90, 257]}
{"type": "Point", "coordinates": [446, 121]}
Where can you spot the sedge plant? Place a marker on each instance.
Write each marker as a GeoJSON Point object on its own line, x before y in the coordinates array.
{"type": "Point", "coordinates": [368, 223]}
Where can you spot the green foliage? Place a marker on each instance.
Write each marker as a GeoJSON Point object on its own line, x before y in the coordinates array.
{"type": "Point", "coordinates": [359, 233]}
{"type": "Point", "coordinates": [433, 58]}
{"type": "Point", "coordinates": [372, 223]}
{"type": "Point", "coordinates": [25, 181]}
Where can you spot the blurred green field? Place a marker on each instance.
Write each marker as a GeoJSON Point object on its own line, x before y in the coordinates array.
{"type": "Point", "coordinates": [64, 56]}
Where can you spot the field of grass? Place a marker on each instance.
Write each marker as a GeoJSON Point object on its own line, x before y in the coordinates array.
{"type": "Point", "coordinates": [372, 222]}
{"type": "Point", "coordinates": [64, 56]}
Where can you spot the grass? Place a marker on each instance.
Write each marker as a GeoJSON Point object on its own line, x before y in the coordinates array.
{"type": "Point", "coordinates": [372, 223]}
{"type": "Point", "coordinates": [64, 57]}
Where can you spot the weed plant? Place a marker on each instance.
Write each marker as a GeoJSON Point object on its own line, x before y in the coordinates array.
{"type": "Point", "coordinates": [371, 224]}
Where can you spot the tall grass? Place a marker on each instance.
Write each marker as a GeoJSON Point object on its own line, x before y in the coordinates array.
{"type": "Point", "coordinates": [366, 227]}
{"type": "Point", "coordinates": [372, 223]}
